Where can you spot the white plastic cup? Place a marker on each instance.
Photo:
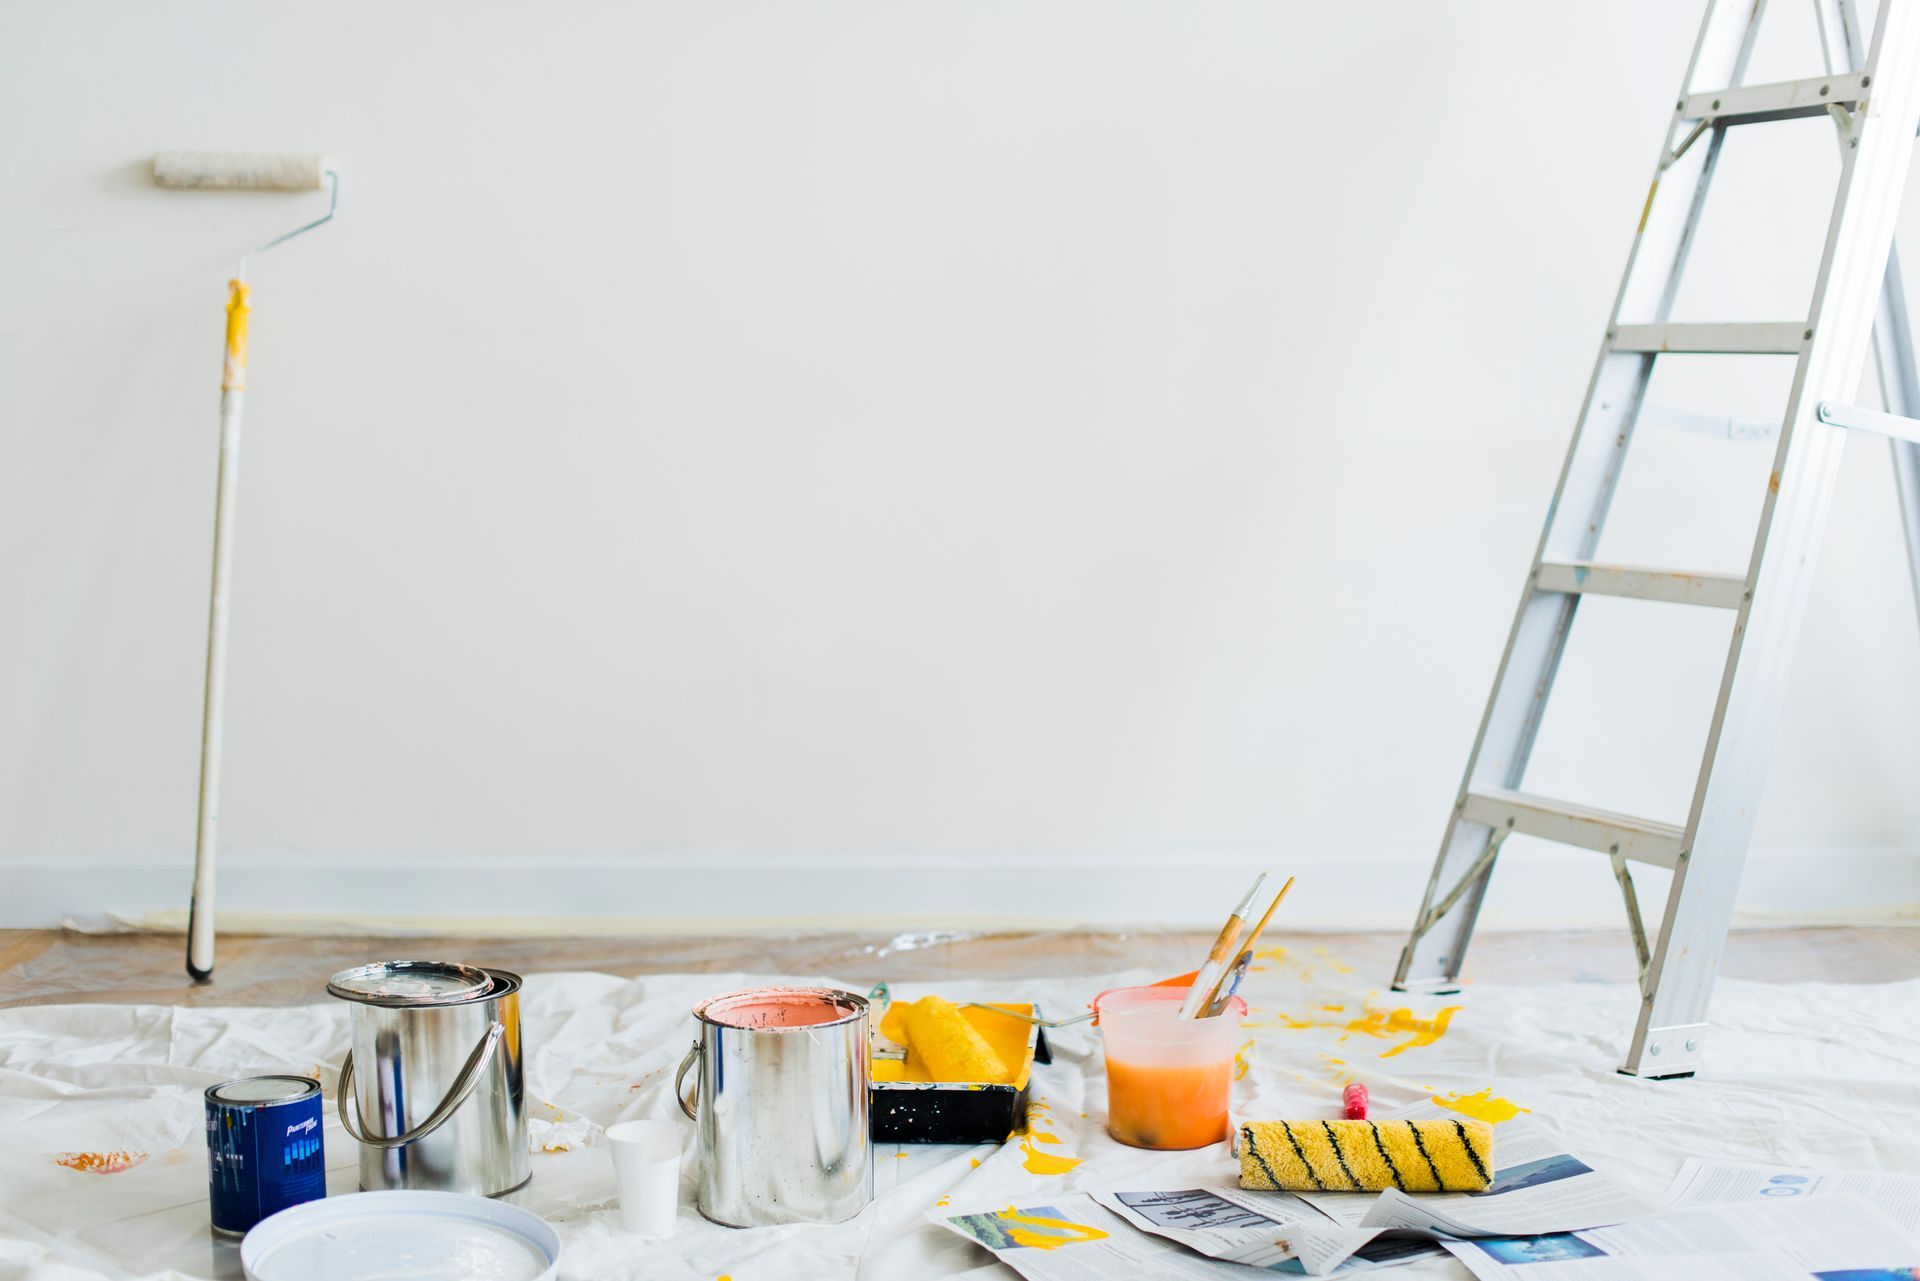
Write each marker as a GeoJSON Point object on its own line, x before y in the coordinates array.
{"type": "Point", "coordinates": [646, 1170]}
{"type": "Point", "coordinates": [1169, 1079]}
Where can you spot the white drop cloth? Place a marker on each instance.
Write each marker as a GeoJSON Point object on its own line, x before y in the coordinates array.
{"type": "Point", "coordinates": [1809, 1074]}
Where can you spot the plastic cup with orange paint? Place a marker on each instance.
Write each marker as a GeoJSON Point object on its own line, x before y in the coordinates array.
{"type": "Point", "coordinates": [1169, 1079]}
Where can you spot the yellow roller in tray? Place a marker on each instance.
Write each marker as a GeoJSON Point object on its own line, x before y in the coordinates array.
{"type": "Point", "coordinates": [943, 1044]}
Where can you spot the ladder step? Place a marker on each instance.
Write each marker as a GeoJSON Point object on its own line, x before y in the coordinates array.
{"type": "Point", "coordinates": [1724, 426]}
{"type": "Point", "coordinates": [1747, 338]}
{"type": "Point", "coordinates": [1639, 839]}
{"type": "Point", "coordinates": [1721, 591]}
{"type": "Point", "coordinates": [1786, 100]}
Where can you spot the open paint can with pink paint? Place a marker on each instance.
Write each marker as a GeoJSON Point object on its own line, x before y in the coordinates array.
{"type": "Point", "coordinates": [780, 1099]}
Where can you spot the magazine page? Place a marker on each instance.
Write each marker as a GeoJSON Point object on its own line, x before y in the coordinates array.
{"type": "Point", "coordinates": [1270, 1230]}
{"type": "Point", "coordinates": [1727, 1182]}
{"type": "Point", "coordinates": [1070, 1238]}
{"type": "Point", "coordinates": [1538, 1187]}
{"type": "Point", "coordinates": [1829, 1238]}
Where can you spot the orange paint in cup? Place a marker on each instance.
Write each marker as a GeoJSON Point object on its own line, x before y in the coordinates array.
{"type": "Point", "coordinates": [1169, 1080]}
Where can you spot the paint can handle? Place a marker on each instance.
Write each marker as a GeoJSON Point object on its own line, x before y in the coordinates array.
{"type": "Point", "coordinates": [679, 1079]}
{"type": "Point", "coordinates": [463, 1086]}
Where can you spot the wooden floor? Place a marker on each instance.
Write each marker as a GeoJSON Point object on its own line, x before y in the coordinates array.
{"type": "Point", "coordinates": [50, 966]}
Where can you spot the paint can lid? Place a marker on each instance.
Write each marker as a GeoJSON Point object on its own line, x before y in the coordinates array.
{"type": "Point", "coordinates": [411, 983]}
{"type": "Point", "coordinates": [253, 1090]}
{"type": "Point", "coordinates": [433, 1236]}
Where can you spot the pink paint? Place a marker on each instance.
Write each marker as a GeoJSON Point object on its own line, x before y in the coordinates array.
{"type": "Point", "coordinates": [778, 1007]}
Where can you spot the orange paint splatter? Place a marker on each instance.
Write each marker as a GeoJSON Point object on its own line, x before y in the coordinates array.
{"type": "Point", "coordinates": [899, 1156]}
{"type": "Point", "coordinates": [100, 1162]}
{"type": "Point", "coordinates": [1481, 1105]}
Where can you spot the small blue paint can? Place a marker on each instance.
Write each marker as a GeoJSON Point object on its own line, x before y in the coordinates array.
{"type": "Point", "coordinates": [264, 1149]}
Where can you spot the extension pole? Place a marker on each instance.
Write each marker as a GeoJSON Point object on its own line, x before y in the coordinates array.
{"type": "Point", "coordinates": [233, 392]}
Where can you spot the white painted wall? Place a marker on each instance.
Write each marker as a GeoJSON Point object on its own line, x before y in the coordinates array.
{"type": "Point", "coordinates": [724, 452]}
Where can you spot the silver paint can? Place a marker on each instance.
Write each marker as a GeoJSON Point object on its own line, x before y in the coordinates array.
{"type": "Point", "coordinates": [781, 1104]}
{"type": "Point", "coordinates": [432, 1084]}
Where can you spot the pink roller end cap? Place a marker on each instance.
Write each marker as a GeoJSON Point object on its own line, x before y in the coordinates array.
{"type": "Point", "coordinates": [1356, 1100]}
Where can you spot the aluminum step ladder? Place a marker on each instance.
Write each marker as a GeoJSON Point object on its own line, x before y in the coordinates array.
{"type": "Point", "coordinates": [1873, 96]}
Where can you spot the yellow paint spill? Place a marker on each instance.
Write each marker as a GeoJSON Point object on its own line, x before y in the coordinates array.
{"type": "Point", "coordinates": [899, 1156]}
{"type": "Point", "coordinates": [975, 1160]}
{"type": "Point", "coordinates": [1481, 1105]}
{"type": "Point", "coordinates": [100, 1162]}
{"type": "Point", "coordinates": [943, 1202]}
{"type": "Point", "coordinates": [1240, 1060]}
{"type": "Point", "coordinates": [1269, 953]}
{"type": "Point", "coordinates": [1377, 1022]}
{"type": "Point", "coordinates": [1039, 1162]}
{"type": "Point", "coordinates": [1334, 1009]}
{"type": "Point", "coordinates": [1333, 962]}
{"type": "Point", "coordinates": [1058, 1232]}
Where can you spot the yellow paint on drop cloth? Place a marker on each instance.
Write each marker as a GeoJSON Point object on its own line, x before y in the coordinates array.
{"type": "Point", "coordinates": [1481, 1105]}
{"type": "Point", "coordinates": [1039, 1162]}
{"type": "Point", "coordinates": [1333, 962]}
{"type": "Point", "coordinates": [1419, 1030]}
{"type": "Point", "coordinates": [1056, 1233]}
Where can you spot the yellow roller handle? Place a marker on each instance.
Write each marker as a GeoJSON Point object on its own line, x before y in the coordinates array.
{"type": "Point", "coordinates": [233, 376]}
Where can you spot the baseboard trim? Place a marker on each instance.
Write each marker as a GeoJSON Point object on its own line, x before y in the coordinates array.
{"type": "Point", "coordinates": [547, 894]}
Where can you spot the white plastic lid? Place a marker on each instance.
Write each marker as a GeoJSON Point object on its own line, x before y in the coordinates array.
{"type": "Point", "coordinates": [422, 1236]}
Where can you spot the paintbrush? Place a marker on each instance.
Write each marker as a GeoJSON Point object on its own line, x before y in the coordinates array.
{"type": "Point", "coordinates": [1213, 996]}
{"type": "Point", "coordinates": [1228, 985]}
{"type": "Point", "coordinates": [1224, 949]}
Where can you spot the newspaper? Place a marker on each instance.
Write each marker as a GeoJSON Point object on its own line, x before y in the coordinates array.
{"type": "Point", "coordinates": [1072, 1239]}
{"type": "Point", "coordinates": [1275, 1231]}
{"type": "Point", "coordinates": [1829, 1238]}
{"type": "Point", "coordinates": [1725, 1182]}
{"type": "Point", "coordinates": [1538, 1187]}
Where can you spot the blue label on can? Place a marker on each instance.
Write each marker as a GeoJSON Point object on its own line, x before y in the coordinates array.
{"type": "Point", "coordinates": [262, 1156]}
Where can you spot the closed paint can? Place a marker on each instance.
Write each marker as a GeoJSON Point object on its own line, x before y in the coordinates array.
{"type": "Point", "coordinates": [781, 1105]}
{"type": "Point", "coordinates": [432, 1086]}
{"type": "Point", "coordinates": [264, 1149]}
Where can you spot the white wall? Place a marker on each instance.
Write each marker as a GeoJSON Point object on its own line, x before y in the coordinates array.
{"type": "Point", "coordinates": [726, 452]}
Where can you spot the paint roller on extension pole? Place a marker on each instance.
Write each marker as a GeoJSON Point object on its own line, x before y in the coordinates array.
{"type": "Point", "coordinates": [229, 171]}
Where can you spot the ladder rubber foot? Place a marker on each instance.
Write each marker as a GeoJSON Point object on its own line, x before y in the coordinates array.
{"type": "Point", "coordinates": [1648, 1076]}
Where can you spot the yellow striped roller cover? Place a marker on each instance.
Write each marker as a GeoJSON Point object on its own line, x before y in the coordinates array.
{"type": "Point", "coordinates": [1366, 1156]}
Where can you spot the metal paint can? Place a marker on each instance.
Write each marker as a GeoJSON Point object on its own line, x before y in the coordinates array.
{"type": "Point", "coordinates": [264, 1149]}
{"type": "Point", "coordinates": [432, 1088]}
{"type": "Point", "coordinates": [782, 1106]}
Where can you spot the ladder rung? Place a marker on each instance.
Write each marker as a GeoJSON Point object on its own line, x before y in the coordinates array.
{"type": "Point", "coordinates": [1726, 427]}
{"type": "Point", "coordinates": [1640, 839]}
{"type": "Point", "coordinates": [1747, 338]}
{"type": "Point", "coordinates": [1722, 591]}
{"type": "Point", "coordinates": [1786, 100]}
